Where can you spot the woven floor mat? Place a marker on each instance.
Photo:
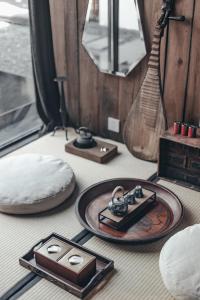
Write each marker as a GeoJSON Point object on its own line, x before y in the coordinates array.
{"type": "Point", "coordinates": [190, 200]}
{"type": "Point", "coordinates": [19, 234]}
{"type": "Point", "coordinates": [136, 275]}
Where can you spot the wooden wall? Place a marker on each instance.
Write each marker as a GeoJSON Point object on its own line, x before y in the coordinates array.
{"type": "Point", "coordinates": [92, 97]}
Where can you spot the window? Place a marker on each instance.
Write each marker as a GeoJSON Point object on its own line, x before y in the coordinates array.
{"type": "Point", "coordinates": [18, 114]}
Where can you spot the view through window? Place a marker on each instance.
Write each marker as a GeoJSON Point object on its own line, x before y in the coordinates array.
{"type": "Point", "coordinates": [18, 114]}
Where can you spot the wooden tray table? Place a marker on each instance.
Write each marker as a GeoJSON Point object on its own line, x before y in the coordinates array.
{"type": "Point", "coordinates": [161, 220]}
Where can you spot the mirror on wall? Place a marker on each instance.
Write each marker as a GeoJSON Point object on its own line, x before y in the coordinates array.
{"type": "Point", "coordinates": [113, 35]}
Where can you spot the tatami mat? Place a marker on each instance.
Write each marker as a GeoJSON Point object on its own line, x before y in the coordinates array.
{"type": "Point", "coordinates": [190, 200]}
{"type": "Point", "coordinates": [18, 234]}
{"type": "Point", "coordinates": [136, 274]}
{"type": "Point", "coordinates": [88, 172]}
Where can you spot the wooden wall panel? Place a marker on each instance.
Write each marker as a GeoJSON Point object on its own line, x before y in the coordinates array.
{"type": "Point", "coordinates": [108, 103]}
{"type": "Point", "coordinates": [129, 86]}
{"type": "Point", "coordinates": [72, 65]}
{"type": "Point", "coordinates": [93, 96]}
{"type": "Point", "coordinates": [98, 91]}
{"type": "Point", "coordinates": [66, 48]}
{"type": "Point", "coordinates": [58, 32]}
{"type": "Point", "coordinates": [178, 55]}
{"type": "Point", "coordinates": [89, 74]}
{"type": "Point", "coordinates": [192, 112]}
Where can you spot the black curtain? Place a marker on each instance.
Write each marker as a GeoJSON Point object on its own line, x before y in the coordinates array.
{"type": "Point", "coordinates": [47, 93]}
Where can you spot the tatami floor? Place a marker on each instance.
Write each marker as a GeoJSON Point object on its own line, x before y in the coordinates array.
{"type": "Point", "coordinates": [136, 274]}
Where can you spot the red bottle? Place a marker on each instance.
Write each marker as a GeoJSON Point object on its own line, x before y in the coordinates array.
{"type": "Point", "coordinates": [192, 131]}
{"type": "Point", "coordinates": [177, 127]}
{"type": "Point", "coordinates": [184, 129]}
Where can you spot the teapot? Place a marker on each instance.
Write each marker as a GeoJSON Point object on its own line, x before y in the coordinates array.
{"type": "Point", "coordinates": [118, 205]}
{"type": "Point", "coordinates": [85, 139]}
{"type": "Point", "coordinates": [139, 192]}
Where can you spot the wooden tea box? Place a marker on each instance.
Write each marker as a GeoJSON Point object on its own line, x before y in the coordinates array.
{"type": "Point", "coordinates": [179, 158]}
{"type": "Point", "coordinates": [55, 256]}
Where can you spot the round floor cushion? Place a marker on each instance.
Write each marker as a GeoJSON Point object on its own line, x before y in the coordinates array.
{"type": "Point", "coordinates": [33, 183]}
{"type": "Point", "coordinates": [180, 264]}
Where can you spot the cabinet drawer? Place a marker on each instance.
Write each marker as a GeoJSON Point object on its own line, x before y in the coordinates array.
{"type": "Point", "coordinates": [173, 173]}
{"type": "Point", "coordinates": [182, 175]}
{"type": "Point", "coordinates": [176, 160]}
{"type": "Point", "coordinates": [170, 146]}
{"type": "Point", "coordinates": [194, 165]}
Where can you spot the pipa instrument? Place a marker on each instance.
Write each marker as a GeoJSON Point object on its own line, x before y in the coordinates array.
{"type": "Point", "coordinates": [146, 120]}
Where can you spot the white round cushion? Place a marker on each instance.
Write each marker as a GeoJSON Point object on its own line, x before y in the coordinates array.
{"type": "Point", "coordinates": [33, 183]}
{"type": "Point", "coordinates": [180, 264]}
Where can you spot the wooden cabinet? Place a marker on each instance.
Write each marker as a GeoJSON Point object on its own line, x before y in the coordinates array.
{"type": "Point", "coordinates": [179, 158]}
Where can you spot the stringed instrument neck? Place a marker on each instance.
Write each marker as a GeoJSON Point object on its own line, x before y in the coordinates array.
{"type": "Point", "coordinates": [151, 88]}
{"type": "Point", "coordinates": [154, 59]}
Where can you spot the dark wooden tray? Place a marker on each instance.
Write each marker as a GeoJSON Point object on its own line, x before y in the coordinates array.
{"type": "Point", "coordinates": [157, 223]}
{"type": "Point", "coordinates": [103, 265]}
{"type": "Point", "coordinates": [94, 153]}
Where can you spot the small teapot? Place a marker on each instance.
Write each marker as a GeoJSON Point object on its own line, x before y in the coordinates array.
{"type": "Point", "coordinates": [139, 192]}
{"type": "Point", "coordinates": [118, 205]}
{"type": "Point", "coordinates": [130, 197]}
{"type": "Point", "coordinates": [85, 139]}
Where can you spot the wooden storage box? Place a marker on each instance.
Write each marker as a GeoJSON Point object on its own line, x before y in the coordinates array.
{"type": "Point", "coordinates": [59, 263]}
{"type": "Point", "coordinates": [179, 158]}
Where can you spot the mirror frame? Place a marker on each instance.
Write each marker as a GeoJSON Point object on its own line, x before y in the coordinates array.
{"type": "Point", "coordinates": [134, 64]}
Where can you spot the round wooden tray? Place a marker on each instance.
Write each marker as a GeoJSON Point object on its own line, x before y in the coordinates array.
{"type": "Point", "coordinates": [157, 223]}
